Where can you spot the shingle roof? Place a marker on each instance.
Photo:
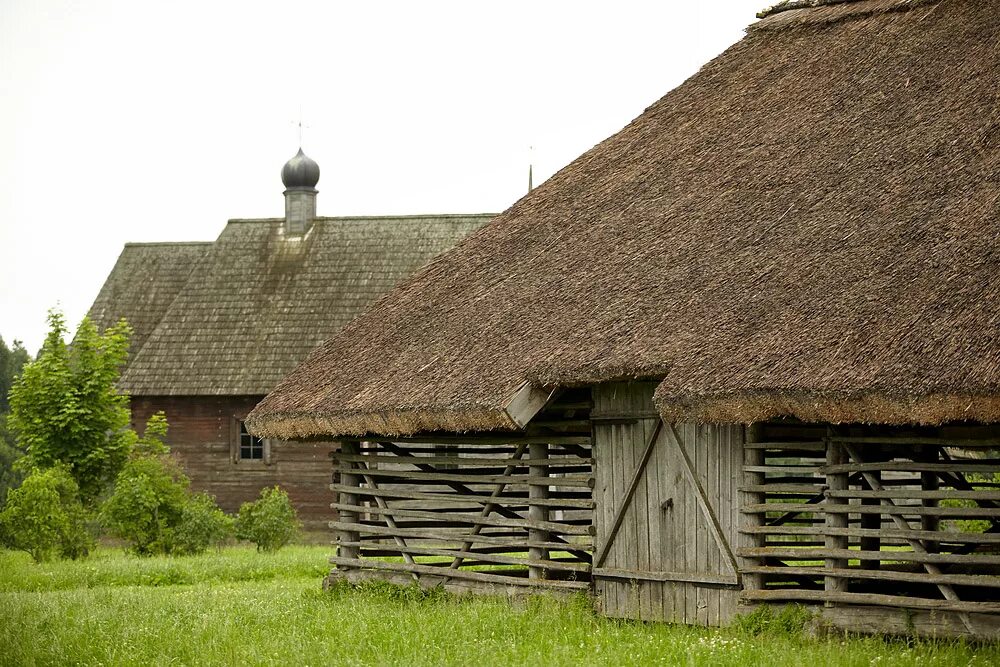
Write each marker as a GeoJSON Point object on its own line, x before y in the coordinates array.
{"type": "Point", "coordinates": [142, 285]}
{"type": "Point", "coordinates": [809, 226]}
{"type": "Point", "coordinates": [260, 301]}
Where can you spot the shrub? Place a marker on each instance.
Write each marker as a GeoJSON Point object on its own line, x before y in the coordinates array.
{"type": "Point", "coordinates": [152, 508]}
{"type": "Point", "coordinates": [147, 504]}
{"type": "Point", "coordinates": [45, 517]}
{"type": "Point", "coordinates": [202, 524]}
{"type": "Point", "coordinates": [270, 522]}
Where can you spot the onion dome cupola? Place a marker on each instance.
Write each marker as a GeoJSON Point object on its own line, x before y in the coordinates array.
{"type": "Point", "coordinates": [300, 172]}
{"type": "Point", "coordinates": [300, 176]}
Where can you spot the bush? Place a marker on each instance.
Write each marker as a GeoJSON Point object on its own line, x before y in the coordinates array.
{"type": "Point", "coordinates": [202, 524]}
{"type": "Point", "coordinates": [147, 504]}
{"type": "Point", "coordinates": [270, 522]}
{"type": "Point", "coordinates": [45, 517]}
{"type": "Point", "coordinates": [151, 507]}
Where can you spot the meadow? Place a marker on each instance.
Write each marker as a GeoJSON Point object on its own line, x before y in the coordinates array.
{"type": "Point", "coordinates": [237, 606]}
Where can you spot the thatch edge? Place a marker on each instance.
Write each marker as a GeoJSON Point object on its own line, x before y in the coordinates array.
{"type": "Point", "coordinates": [797, 12]}
{"type": "Point", "coordinates": [301, 425]}
{"type": "Point", "coordinates": [868, 408]}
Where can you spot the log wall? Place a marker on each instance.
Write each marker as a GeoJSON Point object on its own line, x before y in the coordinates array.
{"type": "Point", "coordinates": [200, 436]}
{"type": "Point", "coordinates": [484, 512]}
{"type": "Point", "coordinates": [901, 519]}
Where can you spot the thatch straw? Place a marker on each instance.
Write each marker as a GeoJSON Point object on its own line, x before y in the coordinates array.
{"type": "Point", "coordinates": [808, 226]}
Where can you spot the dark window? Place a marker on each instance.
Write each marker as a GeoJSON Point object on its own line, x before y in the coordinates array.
{"type": "Point", "coordinates": [251, 447]}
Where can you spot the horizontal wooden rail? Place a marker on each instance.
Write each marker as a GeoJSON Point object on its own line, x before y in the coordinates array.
{"type": "Point", "coordinates": [458, 536]}
{"type": "Point", "coordinates": [498, 558]}
{"type": "Point", "coordinates": [555, 501]}
{"type": "Point", "coordinates": [448, 573]}
{"type": "Point", "coordinates": [911, 510]}
{"type": "Point", "coordinates": [819, 572]}
{"type": "Point", "coordinates": [772, 595]}
{"type": "Point", "coordinates": [893, 533]}
{"type": "Point", "coordinates": [576, 481]}
{"type": "Point", "coordinates": [472, 519]}
{"type": "Point", "coordinates": [796, 553]}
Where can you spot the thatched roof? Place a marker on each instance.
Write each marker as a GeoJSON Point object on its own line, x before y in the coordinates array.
{"type": "Point", "coordinates": [809, 226]}
{"type": "Point", "coordinates": [142, 285]}
{"type": "Point", "coordinates": [258, 302]}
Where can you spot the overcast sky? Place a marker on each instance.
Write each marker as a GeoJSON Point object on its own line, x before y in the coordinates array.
{"type": "Point", "coordinates": [141, 120]}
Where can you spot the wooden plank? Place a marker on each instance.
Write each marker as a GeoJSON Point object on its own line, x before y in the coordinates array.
{"type": "Point", "coordinates": [887, 533]}
{"type": "Point", "coordinates": [896, 510]}
{"type": "Point", "coordinates": [985, 581]}
{"type": "Point", "coordinates": [807, 553]}
{"type": "Point", "coordinates": [457, 574]}
{"type": "Point", "coordinates": [915, 494]}
{"type": "Point", "coordinates": [491, 461]}
{"type": "Point", "coordinates": [903, 601]}
{"type": "Point", "coordinates": [526, 402]}
{"type": "Point", "coordinates": [479, 440]}
{"type": "Point", "coordinates": [575, 481]}
{"type": "Point", "coordinates": [752, 493]}
{"type": "Point", "coordinates": [627, 500]}
{"type": "Point", "coordinates": [707, 578]}
{"type": "Point", "coordinates": [803, 446]}
{"type": "Point", "coordinates": [906, 622]}
{"type": "Point", "coordinates": [654, 521]}
{"type": "Point", "coordinates": [499, 558]}
{"type": "Point", "coordinates": [908, 466]}
{"type": "Point", "coordinates": [987, 443]}
{"type": "Point", "coordinates": [474, 519]}
{"type": "Point", "coordinates": [457, 537]}
{"type": "Point", "coordinates": [383, 492]}
{"type": "Point", "coordinates": [703, 502]}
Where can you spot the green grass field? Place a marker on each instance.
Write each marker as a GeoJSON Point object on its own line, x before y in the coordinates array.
{"type": "Point", "coordinates": [240, 607]}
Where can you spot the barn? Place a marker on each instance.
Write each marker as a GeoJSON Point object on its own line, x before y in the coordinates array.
{"type": "Point", "coordinates": [217, 324]}
{"type": "Point", "coordinates": [744, 352]}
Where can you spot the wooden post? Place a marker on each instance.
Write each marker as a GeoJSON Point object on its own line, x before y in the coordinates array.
{"type": "Point", "coordinates": [351, 480]}
{"type": "Point", "coordinates": [871, 521]}
{"type": "Point", "coordinates": [538, 451]}
{"type": "Point", "coordinates": [753, 457]}
{"type": "Point", "coordinates": [835, 455]}
{"type": "Point", "coordinates": [929, 481]}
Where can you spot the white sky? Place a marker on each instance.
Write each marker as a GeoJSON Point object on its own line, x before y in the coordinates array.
{"type": "Point", "coordinates": [142, 120]}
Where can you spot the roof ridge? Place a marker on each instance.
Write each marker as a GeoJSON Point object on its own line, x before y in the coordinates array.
{"type": "Point", "coordinates": [408, 216]}
{"type": "Point", "coordinates": [788, 5]}
{"type": "Point", "coordinates": [132, 244]}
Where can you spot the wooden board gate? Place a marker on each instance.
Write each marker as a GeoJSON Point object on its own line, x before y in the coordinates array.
{"type": "Point", "coordinates": [665, 512]}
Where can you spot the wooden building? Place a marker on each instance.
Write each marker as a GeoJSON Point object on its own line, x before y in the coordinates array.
{"type": "Point", "coordinates": [745, 351]}
{"type": "Point", "coordinates": [218, 324]}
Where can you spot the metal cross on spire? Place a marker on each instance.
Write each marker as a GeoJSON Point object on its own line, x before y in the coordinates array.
{"type": "Point", "coordinates": [301, 125]}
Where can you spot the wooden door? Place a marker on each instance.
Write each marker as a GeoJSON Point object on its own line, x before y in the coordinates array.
{"type": "Point", "coordinates": [666, 511]}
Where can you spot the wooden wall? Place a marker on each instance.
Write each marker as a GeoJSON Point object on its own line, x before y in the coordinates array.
{"type": "Point", "coordinates": [200, 436]}
{"type": "Point", "coordinates": [671, 558]}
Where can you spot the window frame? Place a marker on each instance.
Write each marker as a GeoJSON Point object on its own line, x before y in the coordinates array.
{"type": "Point", "coordinates": [237, 433]}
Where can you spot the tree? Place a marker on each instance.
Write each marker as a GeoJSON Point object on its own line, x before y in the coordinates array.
{"type": "Point", "coordinates": [45, 518]}
{"type": "Point", "coordinates": [11, 362]}
{"type": "Point", "coordinates": [65, 407]}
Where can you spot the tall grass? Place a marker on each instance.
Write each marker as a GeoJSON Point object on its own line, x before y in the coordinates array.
{"type": "Point", "coordinates": [124, 615]}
